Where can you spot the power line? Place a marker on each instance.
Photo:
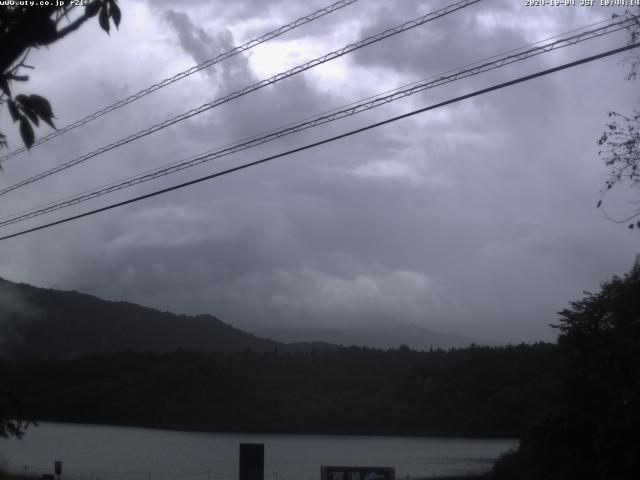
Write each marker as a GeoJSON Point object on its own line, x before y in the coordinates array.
{"type": "Point", "coordinates": [330, 139]}
{"type": "Point", "coordinates": [179, 76]}
{"type": "Point", "coordinates": [336, 114]}
{"type": "Point", "coordinates": [116, 182]}
{"type": "Point", "coordinates": [293, 128]}
{"type": "Point", "coordinates": [251, 88]}
{"type": "Point", "coordinates": [332, 110]}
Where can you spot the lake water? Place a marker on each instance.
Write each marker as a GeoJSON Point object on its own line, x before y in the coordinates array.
{"type": "Point", "coordinates": [120, 453]}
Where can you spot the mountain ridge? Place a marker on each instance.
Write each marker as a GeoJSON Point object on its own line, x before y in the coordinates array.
{"type": "Point", "coordinates": [393, 336]}
{"type": "Point", "coordinates": [38, 323]}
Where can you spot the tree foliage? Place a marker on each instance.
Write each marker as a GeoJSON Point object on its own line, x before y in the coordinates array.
{"type": "Point", "coordinates": [23, 28]}
{"type": "Point", "coordinates": [593, 433]}
{"type": "Point", "coordinates": [620, 142]}
{"type": "Point", "coordinates": [12, 419]}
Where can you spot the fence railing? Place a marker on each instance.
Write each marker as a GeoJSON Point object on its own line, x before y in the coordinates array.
{"type": "Point", "coordinates": [32, 472]}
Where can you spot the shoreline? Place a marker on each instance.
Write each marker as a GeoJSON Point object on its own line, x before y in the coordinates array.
{"type": "Point", "coordinates": [17, 476]}
{"type": "Point", "coordinates": [35, 424]}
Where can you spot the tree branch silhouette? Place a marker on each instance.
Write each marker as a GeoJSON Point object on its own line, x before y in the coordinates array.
{"type": "Point", "coordinates": [23, 28]}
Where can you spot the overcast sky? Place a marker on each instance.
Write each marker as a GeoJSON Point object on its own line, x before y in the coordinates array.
{"type": "Point", "coordinates": [477, 219]}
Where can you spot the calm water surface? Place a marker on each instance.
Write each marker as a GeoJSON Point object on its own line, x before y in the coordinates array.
{"type": "Point", "coordinates": [122, 453]}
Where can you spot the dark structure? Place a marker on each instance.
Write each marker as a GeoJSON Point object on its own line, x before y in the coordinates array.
{"type": "Point", "coordinates": [251, 461]}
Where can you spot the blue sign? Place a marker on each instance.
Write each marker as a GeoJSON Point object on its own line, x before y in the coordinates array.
{"type": "Point", "coordinates": [358, 473]}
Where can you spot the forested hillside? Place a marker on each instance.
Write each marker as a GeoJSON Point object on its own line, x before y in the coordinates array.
{"type": "Point", "coordinates": [44, 323]}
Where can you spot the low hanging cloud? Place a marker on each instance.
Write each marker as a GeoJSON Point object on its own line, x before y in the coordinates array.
{"type": "Point", "coordinates": [15, 310]}
{"type": "Point", "coordinates": [362, 299]}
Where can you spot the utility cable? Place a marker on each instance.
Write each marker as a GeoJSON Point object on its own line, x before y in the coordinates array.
{"type": "Point", "coordinates": [352, 109]}
{"type": "Point", "coordinates": [329, 140]}
{"type": "Point", "coordinates": [179, 76]}
{"type": "Point", "coordinates": [251, 88]}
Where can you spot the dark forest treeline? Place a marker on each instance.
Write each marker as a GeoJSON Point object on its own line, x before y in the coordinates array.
{"type": "Point", "coordinates": [594, 430]}
{"type": "Point", "coordinates": [479, 391]}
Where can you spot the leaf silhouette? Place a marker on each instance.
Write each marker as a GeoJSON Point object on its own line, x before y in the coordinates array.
{"type": "Point", "coordinates": [4, 85]}
{"type": "Point", "coordinates": [116, 15]}
{"type": "Point", "coordinates": [32, 116]}
{"type": "Point", "coordinates": [92, 9]}
{"type": "Point", "coordinates": [41, 106]}
{"type": "Point", "coordinates": [13, 111]}
{"type": "Point", "coordinates": [26, 132]}
{"type": "Point", "coordinates": [104, 18]}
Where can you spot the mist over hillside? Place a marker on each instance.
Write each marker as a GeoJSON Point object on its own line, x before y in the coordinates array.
{"type": "Point", "coordinates": [44, 323]}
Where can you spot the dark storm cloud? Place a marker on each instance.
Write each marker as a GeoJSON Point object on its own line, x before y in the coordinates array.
{"type": "Point", "coordinates": [255, 113]}
{"type": "Point", "coordinates": [195, 41]}
{"type": "Point", "coordinates": [253, 286]}
{"type": "Point", "coordinates": [476, 219]}
{"type": "Point", "coordinates": [439, 45]}
{"type": "Point", "coordinates": [264, 16]}
{"type": "Point", "coordinates": [202, 47]}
